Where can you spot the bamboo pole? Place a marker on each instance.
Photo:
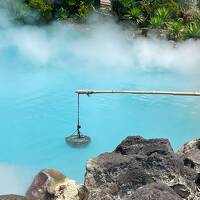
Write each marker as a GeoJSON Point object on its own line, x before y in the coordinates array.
{"type": "Point", "coordinates": [89, 92]}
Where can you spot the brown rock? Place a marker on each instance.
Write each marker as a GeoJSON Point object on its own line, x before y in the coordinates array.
{"type": "Point", "coordinates": [52, 185]}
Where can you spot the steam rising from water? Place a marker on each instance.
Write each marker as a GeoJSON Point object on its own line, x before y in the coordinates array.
{"type": "Point", "coordinates": [106, 44]}
{"type": "Point", "coordinates": [14, 179]}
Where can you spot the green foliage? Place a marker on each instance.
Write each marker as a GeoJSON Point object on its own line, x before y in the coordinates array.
{"type": "Point", "coordinates": [76, 8]}
{"type": "Point", "coordinates": [121, 8]}
{"type": "Point", "coordinates": [160, 19]}
{"type": "Point", "coordinates": [192, 30]}
{"type": "Point", "coordinates": [71, 2]}
{"type": "Point", "coordinates": [136, 15]}
{"type": "Point", "coordinates": [176, 30]}
{"type": "Point", "coordinates": [172, 6]}
{"type": "Point", "coordinates": [178, 19]}
{"type": "Point", "coordinates": [149, 7]}
{"type": "Point", "coordinates": [41, 5]}
{"type": "Point", "coordinates": [189, 14]}
{"type": "Point", "coordinates": [157, 22]}
{"type": "Point", "coordinates": [135, 12]}
{"type": "Point", "coordinates": [83, 10]}
{"type": "Point", "coordinates": [63, 10]}
{"type": "Point", "coordinates": [145, 8]}
{"type": "Point", "coordinates": [163, 13]}
{"type": "Point", "coordinates": [62, 14]}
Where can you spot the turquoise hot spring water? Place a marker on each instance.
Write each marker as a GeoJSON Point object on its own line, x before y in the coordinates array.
{"type": "Point", "coordinates": [39, 73]}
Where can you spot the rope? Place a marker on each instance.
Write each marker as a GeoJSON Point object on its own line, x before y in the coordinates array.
{"type": "Point", "coordinates": [77, 139]}
{"type": "Point", "coordinates": [78, 122]}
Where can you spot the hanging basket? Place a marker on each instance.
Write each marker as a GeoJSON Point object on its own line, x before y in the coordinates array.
{"type": "Point", "coordinates": [78, 140]}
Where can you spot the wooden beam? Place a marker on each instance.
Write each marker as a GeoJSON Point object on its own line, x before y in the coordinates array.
{"type": "Point", "coordinates": [89, 92]}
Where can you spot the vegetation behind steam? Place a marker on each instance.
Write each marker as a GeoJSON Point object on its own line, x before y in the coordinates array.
{"type": "Point", "coordinates": [176, 20]}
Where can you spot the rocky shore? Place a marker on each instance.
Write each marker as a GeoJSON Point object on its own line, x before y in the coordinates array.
{"type": "Point", "coordinates": [138, 169]}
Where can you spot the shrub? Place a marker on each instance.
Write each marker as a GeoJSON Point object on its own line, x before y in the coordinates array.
{"type": "Point", "coordinates": [160, 19]}
{"type": "Point", "coordinates": [41, 5]}
{"type": "Point", "coordinates": [175, 30]}
{"type": "Point", "coordinates": [83, 10]}
{"type": "Point", "coordinates": [62, 14]}
{"type": "Point", "coordinates": [122, 7]}
{"type": "Point", "coordinates": [145, 8]}
{"type": "Point", "coordinates": [157, 22]}
{"type": "Point", "coordinates": [136, 15]}
{"type": "Point", "coordinates": [163, 13]}
{"type": "Point", "coordinates": [192, 30]}
{"type": "Point", "coordinates": [63, 10]}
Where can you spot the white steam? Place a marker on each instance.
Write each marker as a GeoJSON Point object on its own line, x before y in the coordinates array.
{"type": "Point", "coordinates": [105, 44]}
{"type": "Point", "coordinates": [14, 179]}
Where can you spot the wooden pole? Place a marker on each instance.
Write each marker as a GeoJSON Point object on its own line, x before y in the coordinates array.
{"type": "Point", "coordinates": [90, 92]}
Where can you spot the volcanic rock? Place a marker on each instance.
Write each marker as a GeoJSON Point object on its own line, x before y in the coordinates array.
{"type": "Point", "coordinates": [155, 191]}
{"type": "Point", "coordinates": [190, 153]}
{"type": "Point", "coordinates": [52, 185]}
{"type": "Point", "coordinates": [138, 163]}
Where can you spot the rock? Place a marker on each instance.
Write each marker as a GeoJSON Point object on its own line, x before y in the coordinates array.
{"type": "Point", "coordinates": [140, 146]}
{"type": "Point", "coordinates": [52, 185]}
{"type": "Point", "coordinates": [83, 192]}
{"type": "Point", "coordinates": [135, 163]}
{"type": "Point", "coordinates": [181, 190]}
{"type": "Point", "coordinates": [155, 191]}
{"type": "Point", "coordinates": [190, 154]}
{"type": "Point", "coordinates": [12, 197]}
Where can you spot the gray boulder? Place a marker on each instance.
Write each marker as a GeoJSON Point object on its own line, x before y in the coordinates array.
{"type": "Point", "coordinates": [155, 191]}
{"type": "Point", "coordinates": [135, 163]}
{"type": "Point", "coordinates": [190, 153]}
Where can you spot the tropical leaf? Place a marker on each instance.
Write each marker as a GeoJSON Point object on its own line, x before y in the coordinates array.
{"type": "Point", "coordinates": [160, 19]}
{"type": "Point", "coordinates": [176, 30]}
{"type": "Point", "coordinates": [163, 13]}
{"type": "Point", "coordinates": [157, 22]}
{"type": "Point", "coordinates": [193, 30]}
{"type": "Point", "coordinates": [136, 15]}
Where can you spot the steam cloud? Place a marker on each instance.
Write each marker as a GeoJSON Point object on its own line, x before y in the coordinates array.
{"type": "Point", "coordinates": [13, 179]}
{"type": "Point", "coordinates": [104, 43]}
